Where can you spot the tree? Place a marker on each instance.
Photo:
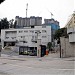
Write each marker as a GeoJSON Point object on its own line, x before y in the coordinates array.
{"type": "Point", "coordinates": [49, 45]}
{"type": "Point", "coordinates": [11, 23]}
{"type": "Point", "coordinates": [4, 24]}
{"type": "Point", "coordinates": [60, 32]}
{"type": "Point", "coordinates": [15, 23]}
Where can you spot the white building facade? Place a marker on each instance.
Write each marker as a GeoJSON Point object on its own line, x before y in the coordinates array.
{"type": "Point", "coordinates": [68, 44]}
{"type": "Point", "coordinates": [71, 21]}
{"type": "Point", "coordinates": [71, 33]}
{"type": "Point", "coordinates": [27, 36]}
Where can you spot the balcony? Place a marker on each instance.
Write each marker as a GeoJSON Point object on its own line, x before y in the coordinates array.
{"type": "Point", "coordinates": [34, 40]}
{"type": "Point", "coordinates": [8, 39]}
{"type": "Point", "coordinates": [22, 40]}
{"type": "Point", "coordinates": [71, 33]}
{"type": "Point", "coordinates": [71, 30]}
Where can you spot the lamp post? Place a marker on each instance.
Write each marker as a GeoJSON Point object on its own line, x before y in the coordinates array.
{"type": "Point", "coordinates": [0, 51]}
{"type": "Point", "coordinates": [37, 32]}
{"type": "Point", "coordinates": [38, 43]}
{"type": "Point", "coordinates": [23, 40]}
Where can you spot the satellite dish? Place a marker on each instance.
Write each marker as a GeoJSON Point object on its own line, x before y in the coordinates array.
{"type": "Point", "coordinates": [1, 1]}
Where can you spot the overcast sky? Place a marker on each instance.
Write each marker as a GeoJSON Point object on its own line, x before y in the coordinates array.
{"type": "Point", "coordinates": [61, 9]}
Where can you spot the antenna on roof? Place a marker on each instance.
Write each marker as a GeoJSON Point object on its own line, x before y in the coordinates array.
{"type": "Point", "coordinates": [26, 9]}
{"type": "Point", "coordinates": [50, 13]}
{"type": "Point", "coordinates": [26, 12]}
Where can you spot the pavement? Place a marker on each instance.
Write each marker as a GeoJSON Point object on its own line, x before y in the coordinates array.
{"type": "Point", "coordinates": [50, 64]}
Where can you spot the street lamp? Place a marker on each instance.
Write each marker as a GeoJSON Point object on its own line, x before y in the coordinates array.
{"type": "Point", "coordinates": [0, 49]}
{"type": "Point", "coordinates": [38, 43]}
{"type": "Point", "coordinates": [23, 40]}
{"type": "Point", "coordinates": [37, 32]}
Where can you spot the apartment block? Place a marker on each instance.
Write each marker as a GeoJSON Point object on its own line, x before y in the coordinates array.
{"type": "Point", "coordinates": [27, 36]}
{"type": "Point", "coordinates": [71, 21]}
{"type": "Point", "coordinates": [23, 22]}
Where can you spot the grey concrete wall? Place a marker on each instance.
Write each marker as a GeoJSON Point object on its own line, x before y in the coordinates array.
{"type": "Point", "coordinates": [67, 48]}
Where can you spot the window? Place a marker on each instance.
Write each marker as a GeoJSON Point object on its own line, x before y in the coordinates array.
{"type": "Point", "coordinates": [35, 37]}
{"type": "Point", "coordinates": [32, 26]}
{"type": "Point", "coordinates": [22, 36]}
{"type": "Point", "coordinates": [7, 37]}
{"type": "Point", "coordinates": [32, 37]}
{"type": "Point", "coordinates": [25, 31]}
{"type": "Point", "coordinates": [32, 31]}
{"type": "Point", "coordinates": [20, 31]}
{"type": "Point", "coordinates": [69, 24]}
{"type": "Point", "coordinates": [43, 31]}
{"type": "Point", "coordinates": [24, 41]}
{"type": "Point", "coordinates": [37, 30]}
{"type": "Point", "coordinates": [43, 36]}
{"type": "Point", "coordinates": [13, 37]}
{"type": "Point", "coordinates": [43, 26]}
{"type": "Point", "coordinates": [35, 41]}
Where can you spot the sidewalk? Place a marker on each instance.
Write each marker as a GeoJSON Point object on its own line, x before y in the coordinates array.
{"type": "Point", "coordinates": [50, 56]}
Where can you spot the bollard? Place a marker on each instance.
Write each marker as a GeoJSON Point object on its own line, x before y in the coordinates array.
{"type": "Point", "coordinates": [47, 52]}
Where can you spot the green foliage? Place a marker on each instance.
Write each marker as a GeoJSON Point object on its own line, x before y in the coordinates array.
{"type": "Point", "coordinates": [15, 23]}
{"type": "Point", "coordinates": [4, 24]}
{"type": "Point", "coordinates": [60, 32]}
{"type": "Point", "coordinates": [11, 23]}
{"type": "Point", "coordinates": [49, 45]}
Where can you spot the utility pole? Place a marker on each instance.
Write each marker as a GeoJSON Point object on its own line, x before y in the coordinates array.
{"type": "Point", "coordinates": [26, 12]}
{"type": "Point", "coordinates": [38, 43]}
{"type": "Point", "coordinates": [0, 52]}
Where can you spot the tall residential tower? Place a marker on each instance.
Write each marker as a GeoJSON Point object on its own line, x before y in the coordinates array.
{"type": "Point", "coordinates": [31, 21]}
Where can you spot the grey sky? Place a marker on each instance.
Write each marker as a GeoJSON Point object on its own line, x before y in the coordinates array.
{"type": "Point", "coordinates": [61, 9]}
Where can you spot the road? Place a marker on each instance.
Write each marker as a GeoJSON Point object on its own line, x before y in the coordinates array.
{"type": "Point", "coordinates": [28, 65]}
